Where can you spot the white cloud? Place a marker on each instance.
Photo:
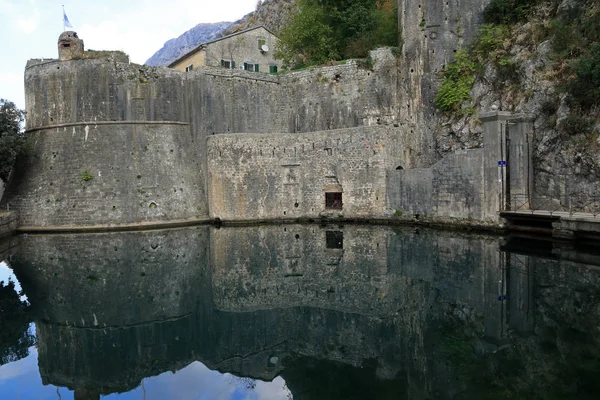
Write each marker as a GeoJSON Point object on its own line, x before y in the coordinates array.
{"type": "Point", "coordinates": [142, 30]}
{"type": "Point", "coordinates": [275, 390]}
{"type": "Point", "coordinates": [5, 5]}
{"type": "Point", "coordinates": [28, 24]}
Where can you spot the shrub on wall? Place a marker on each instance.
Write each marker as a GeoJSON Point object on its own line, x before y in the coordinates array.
{"type": "Point", "coordinates": [86, 176]}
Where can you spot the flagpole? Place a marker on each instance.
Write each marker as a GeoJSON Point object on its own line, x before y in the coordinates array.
{"type": "Point", "coordinates": [64, 27]}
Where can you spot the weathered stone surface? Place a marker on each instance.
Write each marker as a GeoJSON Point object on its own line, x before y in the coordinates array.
{"type": "Point", "coordinates": [82, 116]}
{"type": "Point", "coordinates": [453, 187]}
{"type": "Point", "coordinates": [135, 173]}
{"type": "Point", "coordinates": [287, 175]}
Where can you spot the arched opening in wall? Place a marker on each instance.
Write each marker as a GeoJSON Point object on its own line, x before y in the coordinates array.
{"type": "Point", "coordinates": [399, 167]}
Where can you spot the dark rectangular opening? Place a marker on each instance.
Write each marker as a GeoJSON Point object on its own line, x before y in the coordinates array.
{"type": "Point", "coordinates": [66, 45]}
{"type": "Point", "coordinates": [333, 200]}
{"type": "Point", "coordinates": [334, 239]}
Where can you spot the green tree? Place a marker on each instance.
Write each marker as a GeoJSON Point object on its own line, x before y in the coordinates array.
{"type": "Point", "coordinates": [12, 138]}
{"type": "Point", "coordinates": [324, 30]}
{"type": "Point", "coordinates": [308, 38]}
{"type": "Point", "coordinates": [585, 88]}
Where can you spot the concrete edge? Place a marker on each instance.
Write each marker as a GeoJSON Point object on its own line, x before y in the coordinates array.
{"type": "Point", "coordinates": [458, 225]}
{"type": "Point", "coordinates": [428, 222]}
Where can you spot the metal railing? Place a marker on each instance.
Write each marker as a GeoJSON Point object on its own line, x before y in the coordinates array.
{"type": "Point", "coordinates": [584, 205]}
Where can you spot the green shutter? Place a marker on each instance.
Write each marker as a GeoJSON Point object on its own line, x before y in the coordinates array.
{"type": "Point", "coordinates": [273, 69]}
{"type": "Point", "coordinates": [233, 65]}
{"type": "Point", "coordinates": [245, 66]}
{"type": "Point", "coordinates": [222, 63]}
{"type": "Point", "coordinates": [255, 67]}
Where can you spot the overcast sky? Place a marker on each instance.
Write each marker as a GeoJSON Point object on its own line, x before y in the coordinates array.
{"type": "Point", "coordinates": [30, 29]}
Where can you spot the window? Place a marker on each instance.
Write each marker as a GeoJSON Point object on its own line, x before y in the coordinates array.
{"type": "Point", "coordinates": [189, 68]}
{"type": "Point", "coordinates": [334, 239]}
{"type": "Point", "coordinates": [225, 64]}
{"type": "Point", "coordinates": [261, 43]}
{"type": "Point", "coordinates": [333, 200]}
{"type": "Point", "coordinates": [272, 69]}
{"type": "Point", "coordinates": [251, 67]}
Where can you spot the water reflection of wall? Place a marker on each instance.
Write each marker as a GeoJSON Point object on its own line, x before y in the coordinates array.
{"type": "Point", "coordinates": [100, 280]}
{"type": "Point", "coordinates": [410, 305]}
{"type": "Point", "coordinates": [301, 265]}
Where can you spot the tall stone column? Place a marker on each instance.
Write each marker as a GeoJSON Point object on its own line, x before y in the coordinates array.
{"type": "Point", "coordinates": [507, 161]}
{"type": "Point", "coordinates": [432, 31]}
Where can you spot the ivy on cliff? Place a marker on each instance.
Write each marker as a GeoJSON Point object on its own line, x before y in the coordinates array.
{"type": "Point", "coordinates": [459, 77]}
{"type": "Point", "coordinates": [12, 138]}
{"type": "Point", "coordinates": [454, 95]}
{"type": "Point", "coordinates": [325, 30]}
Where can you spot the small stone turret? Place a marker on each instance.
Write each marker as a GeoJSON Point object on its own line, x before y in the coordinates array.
{"type": "Point", "coordinates": [70, 47]}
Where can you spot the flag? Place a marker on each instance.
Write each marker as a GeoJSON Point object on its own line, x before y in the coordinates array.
{"type": "Point", "coordinates": [66, 20]}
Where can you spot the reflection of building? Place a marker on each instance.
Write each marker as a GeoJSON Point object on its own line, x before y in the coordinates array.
{"type": "Point", "coordinates": [332, 298]}
{"type": "Point", "coordinates": [250, 50]}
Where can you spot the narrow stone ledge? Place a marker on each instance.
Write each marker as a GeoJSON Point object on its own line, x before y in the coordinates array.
{"type": "Point", "coordinates": [70, 124]}
{"type": "Point", "coordinates": [139, 226]}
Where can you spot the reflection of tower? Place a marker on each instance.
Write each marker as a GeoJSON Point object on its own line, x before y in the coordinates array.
{"type": "Point", "coordinates": [509, 296]}
{"type": "Point", "coordinates": [495, 300]}
{"type": "Point", "coordinates": [87, 394]}
{"type": "Point", "coordinates": [520, 288]}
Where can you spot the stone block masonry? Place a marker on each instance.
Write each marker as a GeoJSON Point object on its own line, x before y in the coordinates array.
{"type": "Point", "coordinates": [108, 174]}
{"type": "Point", "coordinates": [124, 144]}
{"type": "Point", "coordinates": [453, 187]}
{"type": "Point", "coordinates": [282, 176]}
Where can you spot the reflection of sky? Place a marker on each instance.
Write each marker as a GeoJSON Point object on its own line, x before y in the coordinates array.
{"type": "Point", "coordinates": [21, 380]}
{"type": "Point", "coordinates": [7, 274]}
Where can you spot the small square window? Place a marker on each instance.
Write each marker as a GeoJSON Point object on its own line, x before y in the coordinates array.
{"type": "Point", "coordinates": [189, 68]}
{"type": "Point", "coordinates": [333, 200]}
{"type": "Point", "coordinates": [334, 239]}
{"type": "Point", "coordinates": [272, 69]}
{"type": "Point", "coordinates": [225, 64]}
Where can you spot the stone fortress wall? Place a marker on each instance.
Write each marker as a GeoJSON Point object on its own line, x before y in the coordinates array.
{"type": "Point", "coordinates": [158, 143]}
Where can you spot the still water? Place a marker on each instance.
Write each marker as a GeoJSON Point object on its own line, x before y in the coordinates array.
{"type": "Point", "coordinates": [297, 312]}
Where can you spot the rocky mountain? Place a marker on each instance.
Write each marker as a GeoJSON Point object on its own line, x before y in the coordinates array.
{"type": "Point", "coordinates": [175, 48]}
{"type": "Point", "coordinates": [273, 14]}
